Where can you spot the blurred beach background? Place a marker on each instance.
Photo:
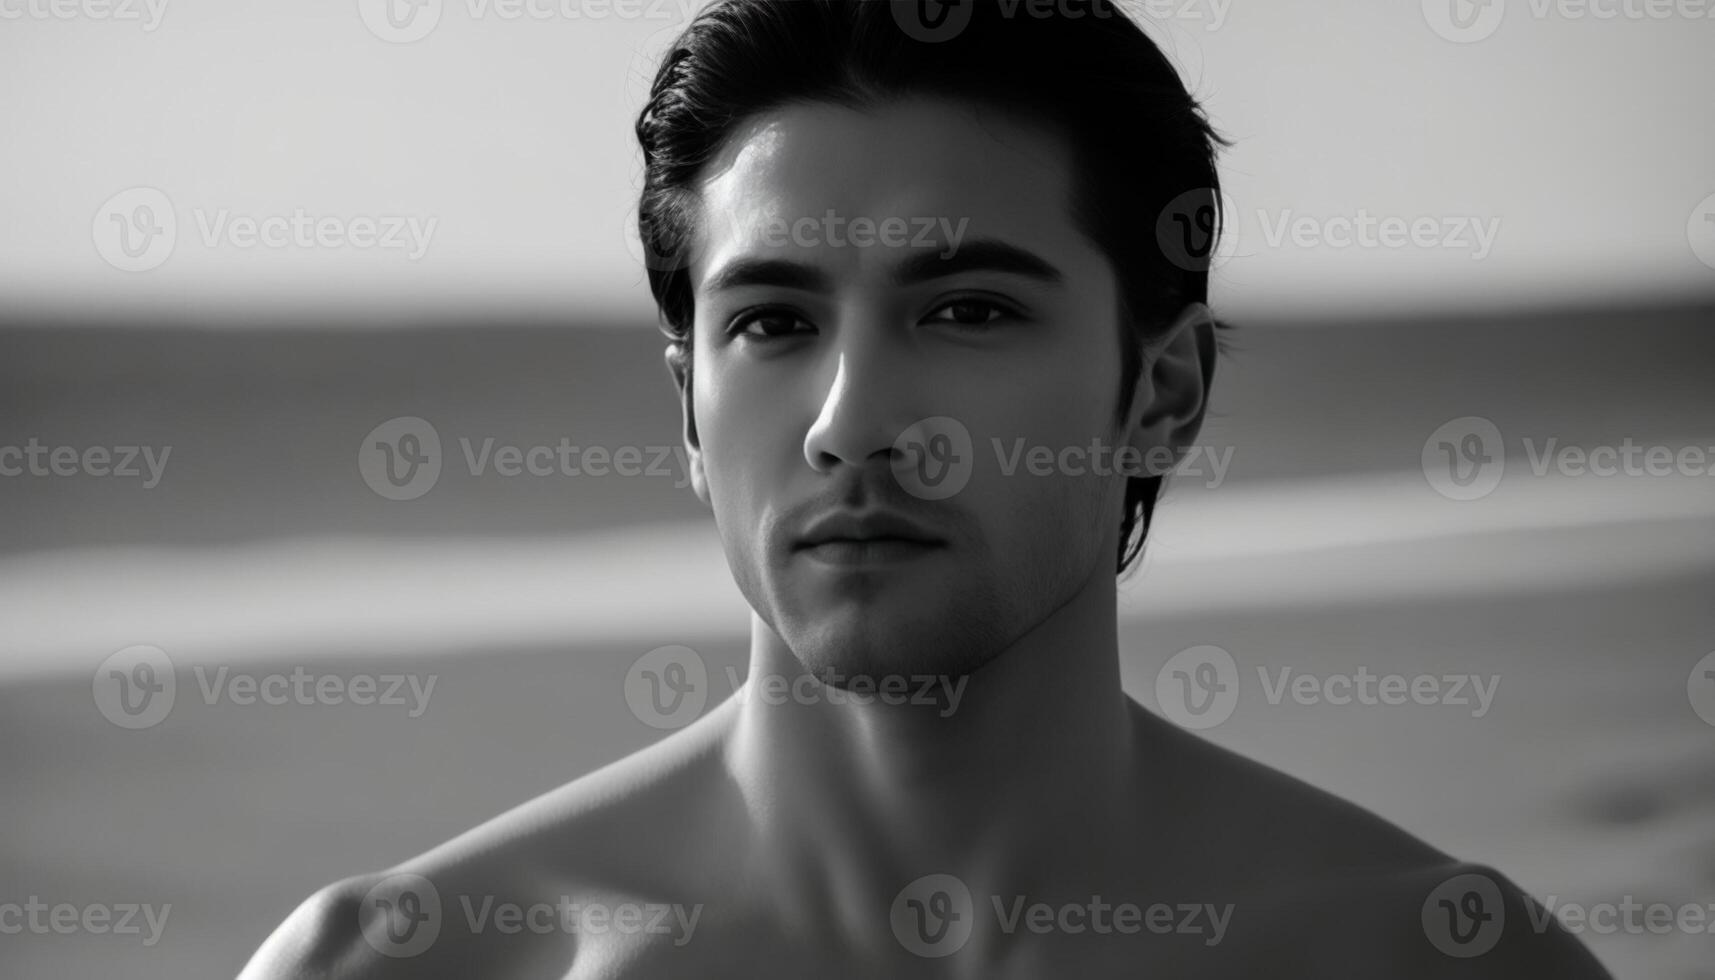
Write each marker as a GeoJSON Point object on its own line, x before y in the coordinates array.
{"type": "Point", "coordinates": [1327, 547]}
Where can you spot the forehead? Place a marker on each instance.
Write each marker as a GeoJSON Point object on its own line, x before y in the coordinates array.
{"type": "Point", "coordinates": [933, 164]}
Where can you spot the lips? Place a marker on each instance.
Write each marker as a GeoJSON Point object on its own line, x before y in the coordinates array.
{"type": "Point", "coordinates": [875, 528]}
{"type": "Point", "coordinates": [871, 551]}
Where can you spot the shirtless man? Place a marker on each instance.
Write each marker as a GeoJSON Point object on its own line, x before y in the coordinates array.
{"type": "Point", "coordinates": [1020, 816]}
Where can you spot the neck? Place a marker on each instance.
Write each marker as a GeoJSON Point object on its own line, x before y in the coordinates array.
{"type": "Point", "coordinates": [1020, 775]}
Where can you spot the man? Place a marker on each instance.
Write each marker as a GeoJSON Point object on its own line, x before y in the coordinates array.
{"type": "Point", "coordinates": [882, 237]}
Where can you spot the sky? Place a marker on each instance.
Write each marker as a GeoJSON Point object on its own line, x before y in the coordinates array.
{"type": "Point", "coordinates": [1559, 152]}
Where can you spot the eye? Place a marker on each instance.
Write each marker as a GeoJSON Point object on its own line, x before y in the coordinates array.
{"type": "Point", "coordinates": [971, 313]}
{"type": "Point", "coordinates": [775, 323]}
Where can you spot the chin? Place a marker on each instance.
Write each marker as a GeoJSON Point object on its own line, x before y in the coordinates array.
{"type": "Point", "coordinates": [867, 648]}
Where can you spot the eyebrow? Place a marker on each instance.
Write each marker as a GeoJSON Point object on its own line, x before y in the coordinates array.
{"type": "Point", "coordinates": [978, 255]}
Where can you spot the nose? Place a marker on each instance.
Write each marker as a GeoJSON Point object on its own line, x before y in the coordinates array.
{"type": "Point", "coordinates": [866, 407]}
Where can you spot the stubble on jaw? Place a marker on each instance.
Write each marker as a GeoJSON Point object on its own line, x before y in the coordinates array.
{"type": "Point", "coordinates": [950, 629]}
{"type": "Point", "coordinates": [942, 638]}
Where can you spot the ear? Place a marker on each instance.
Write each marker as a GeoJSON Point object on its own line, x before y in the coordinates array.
{"type": "Point", "coordinates": [1172, 395]}
{"type": "Point", "coordinates": [678, 366]}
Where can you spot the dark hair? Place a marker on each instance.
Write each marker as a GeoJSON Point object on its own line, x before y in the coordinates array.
{"type": "Point", "coordinates": [1143, 149]}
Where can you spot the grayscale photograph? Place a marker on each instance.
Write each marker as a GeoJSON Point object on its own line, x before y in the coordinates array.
{"type": "Point", "coordinates": [842, 489]}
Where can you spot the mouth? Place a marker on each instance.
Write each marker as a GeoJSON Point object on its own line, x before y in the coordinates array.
{"type": "Point", "coordinates": [875, 536]}
{"type": "Point", "coordinates": [867, 551]}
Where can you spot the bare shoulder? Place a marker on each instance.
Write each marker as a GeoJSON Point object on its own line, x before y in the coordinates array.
{"type": "Point", "coordinates": [1320, 886]}
{"type": "Point", "coordinates": [319, 939]}
{"type": "Point", "coordinates": [513, 896]}
{"type": "Point", "coordinates": [1453, 919]}
{"type": "Point", "coordinates": [1482, 924]}
{"type": "Point", "coordinates": [1241, 823]}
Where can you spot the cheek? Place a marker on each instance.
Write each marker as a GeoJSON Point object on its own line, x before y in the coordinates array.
{"type": "Point", "coordinates": [1047, 420]}
{"type": "Point", "coordinates": [745, 442]}
{"type": "Point", "coordinates": [1041, 535]}
{"type": "Point", "coordinates": [1045, 448]}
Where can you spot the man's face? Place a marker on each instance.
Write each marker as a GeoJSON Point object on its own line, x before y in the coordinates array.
{"type": "Point", "coordinates": [814, 355]}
